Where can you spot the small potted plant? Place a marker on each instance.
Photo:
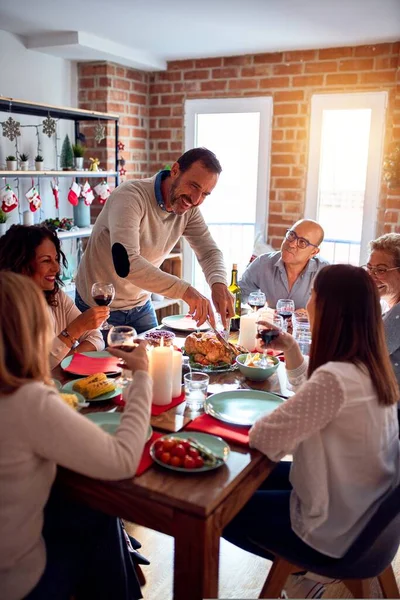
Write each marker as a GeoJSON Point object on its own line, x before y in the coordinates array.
{"type": "Point", "coordinates": [3, 220]}
{"type": "Point", "coordinates": [23, 161]}
{"type": "Point", "coordinates": [39, 162]}
{"type": "Point", "coordinates": [11, 163]}
{"type": "Point", "coordinates": [79, 153]}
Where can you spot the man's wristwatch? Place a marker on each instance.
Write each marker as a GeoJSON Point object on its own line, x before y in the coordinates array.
{"type": "Point", "coordinates": [67, 335]}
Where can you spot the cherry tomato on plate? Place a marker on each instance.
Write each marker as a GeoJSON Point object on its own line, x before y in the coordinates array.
{"type": "Point", "coordinates": [193, 452]}
{"type": "Point", "coordinates": [165, 457]}
{"type": "Point", "coordinates": [176, 461]}
{"type": "Point", "coordinates": [199, 462]}
{"type": "Point", "coordinates": [189, 462]}
{"type": "Point", "coordinates": [169, 443]}
{"type": "Point", "coordinates": [178, 450]}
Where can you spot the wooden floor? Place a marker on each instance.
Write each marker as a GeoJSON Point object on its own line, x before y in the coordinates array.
{"type": "Point", "coordinates": [241, 574]}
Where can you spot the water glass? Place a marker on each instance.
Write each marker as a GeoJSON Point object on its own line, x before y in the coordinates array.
{"type": "Point", "coordinates": [302, 335]}
{"type": "Point", "coordinates": [196, 385]}
{"type": "Point", "coordinates": [123, 337]}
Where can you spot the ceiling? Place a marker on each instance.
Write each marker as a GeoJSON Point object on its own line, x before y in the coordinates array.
{"type": "Point", "coordinates": [146, 34]}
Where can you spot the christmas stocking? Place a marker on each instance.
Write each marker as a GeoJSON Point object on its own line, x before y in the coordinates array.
{"type": "Point", "coordinates": [9, 200]}
{"type": "Point", "coordinates": [34, 199]}
{"type": "Point", "coordinates": [74, 193]}
{"type": "Point", "coordinates": [87, 194]}
{"type": "Point", "coordinates": [103, 191]}
{"type": "Point", "coordinates": [54, 187]}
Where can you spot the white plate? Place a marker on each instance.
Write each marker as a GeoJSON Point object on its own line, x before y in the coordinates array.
{"type": "Point", "coordinates": [183, 323]}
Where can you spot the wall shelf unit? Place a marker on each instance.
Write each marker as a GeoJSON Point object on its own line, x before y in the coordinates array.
{"type": "Point", "coordinates": [22, 107]}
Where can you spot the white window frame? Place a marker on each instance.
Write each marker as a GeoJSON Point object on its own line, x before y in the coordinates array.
{"type": "Point", "coordinates": [262, 105]}
{"type": "Point", "coordinates": [377, 102]}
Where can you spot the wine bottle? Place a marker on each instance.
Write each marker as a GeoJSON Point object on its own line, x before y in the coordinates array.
{"type": "Point", "coordinates": [235, 290]}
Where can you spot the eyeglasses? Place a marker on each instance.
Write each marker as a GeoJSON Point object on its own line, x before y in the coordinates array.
{"type": "Point", "coordinates": [378, 271]}
{"type": "Point", "coordinates": [302, 243]}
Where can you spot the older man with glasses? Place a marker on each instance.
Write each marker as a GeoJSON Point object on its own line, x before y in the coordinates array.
{"type": "Point", "coordinates": [289, 272]}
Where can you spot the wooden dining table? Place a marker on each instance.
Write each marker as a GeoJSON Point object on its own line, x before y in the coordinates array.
{"type": "Point", "coordinates": [192, 508]}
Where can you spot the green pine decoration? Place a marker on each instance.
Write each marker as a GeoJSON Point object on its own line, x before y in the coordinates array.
{"type": "Point", "coordinates": [67, 155]}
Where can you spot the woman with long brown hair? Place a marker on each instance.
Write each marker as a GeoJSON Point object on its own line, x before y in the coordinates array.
{"type": "Point", "coordinates": [340, 426]}
{"type": "Point", "coordinates": [35, 251]}
{"type": "Point", "coordinates": [54, 548]}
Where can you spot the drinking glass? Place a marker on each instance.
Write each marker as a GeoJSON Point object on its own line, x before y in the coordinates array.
{"type": "Point", "coordinates": [196, 385]}
{"type": "Point", "coordinates": [267, 335]}
{"type": "Point", "coordinates": [256, 300]}
{"type": "Point", "coordinates": [103, 294]}
{"type": "Point", "coordinates": [285, 308]}
{"type": "Point", "coordinates": [123, 337]}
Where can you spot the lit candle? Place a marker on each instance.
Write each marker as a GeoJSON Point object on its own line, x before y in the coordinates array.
{"type": "Point", "coordinates": [176, 373]}
{"type": "Point", "coordinates": [248, 331]}
{"type": "Point", "coordinates": [160, 370]}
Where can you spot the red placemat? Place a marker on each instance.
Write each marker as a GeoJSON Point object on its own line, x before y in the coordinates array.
{"type": "Point", "coordinates": [156, 409]}
{"type": "Point", "coordinates": [230, 433]}
{"type": "Point", "coordinates": [146, 461]}
{"type": "Point", "coordinates": [88, 365]}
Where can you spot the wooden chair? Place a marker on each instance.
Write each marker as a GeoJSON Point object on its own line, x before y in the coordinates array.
{"type": "Point", "coordinates": [369, 556]}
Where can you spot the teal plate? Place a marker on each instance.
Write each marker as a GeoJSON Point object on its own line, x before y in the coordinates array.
{"type": "Point", "coordinates": [68, 389]}
{"type": "Point", "coordinates": [57, 384]}
{"type": "Point", "coordinates": [183, 323]}
{"type": "Point", "coordinates": [109, 422]}
{"type": "Point", "coordinates": [241, 407]}
{"type": "Point", "coordinates": [212, 442]}
{"type": "Point", "coordinates": [102, 354]}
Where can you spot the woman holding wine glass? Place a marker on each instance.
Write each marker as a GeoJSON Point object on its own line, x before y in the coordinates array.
{"type": "Point", "coordinates": [35, 251]}
{"type": "Point", "coordinates": [103, 294]}
{"type": "Point", "coordinates": [340, 426]}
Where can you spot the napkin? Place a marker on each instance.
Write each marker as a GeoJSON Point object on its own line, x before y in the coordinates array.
{"type": "Point", "coordinates": [146, 461]}
{"type": "Point", "coordinates": [230, 433]}
{"type": "Point", "coordinates": [156, 409]}
{"type": "Point", "coordinates": [89, 365]}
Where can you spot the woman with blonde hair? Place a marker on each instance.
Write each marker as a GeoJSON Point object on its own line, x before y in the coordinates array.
{"type": "Point", "coordinates": [340, 427]}
{"type": "Point", "coordinates": [384, 267]}
{"type": "Point", "coordinates": [54, 548]}
{"type": "Point", "coordinates": [35, 251]}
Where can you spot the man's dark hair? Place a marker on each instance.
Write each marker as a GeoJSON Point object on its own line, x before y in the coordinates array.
{"type": "Point", "coordinates": [206, 157]}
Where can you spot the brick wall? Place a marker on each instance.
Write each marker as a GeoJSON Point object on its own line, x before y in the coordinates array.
{"type": "Point", "coordinates": [289, 77]}
{"type": "Point", "coordinates": [112, 88]}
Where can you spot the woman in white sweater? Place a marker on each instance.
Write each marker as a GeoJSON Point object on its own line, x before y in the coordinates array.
{"type": "Point", "coordinates": [36, 252]}
{"type": "Point", "coordinates": [65, 549]}
{"type": "Point", "coordinates": [341, 427]}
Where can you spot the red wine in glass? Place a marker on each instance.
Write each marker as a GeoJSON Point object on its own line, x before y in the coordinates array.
{"type": "Point", "coordinates": [285, 314]}
{"type": "Point", "coordinates": [125, 347]}
{"type": "Point", "coordinates": [103, 299]}
{"type": "Point", "coordinates": [267, 335]}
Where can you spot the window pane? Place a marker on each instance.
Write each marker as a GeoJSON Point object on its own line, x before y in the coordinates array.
{"type": "Point", "coordinates": [342, 181]}
{"type": "Point", "coordinates": [230, 211]}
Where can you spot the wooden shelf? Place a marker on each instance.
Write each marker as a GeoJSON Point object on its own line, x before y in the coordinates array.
{"type": "Point", "coordinates": [76, 232]}
{"type": "Point", "coordinates": [24, 107]}
{"type": "Point", "coordinates": [78, 174]}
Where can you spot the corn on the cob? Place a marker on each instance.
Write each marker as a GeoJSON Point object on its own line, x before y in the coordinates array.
{"type": "Point", "coordinates": [82, 384]}
{"type": "Point", "coordinates": [98, 388]}
{"type": "Point", "coordinates": [70, 399]}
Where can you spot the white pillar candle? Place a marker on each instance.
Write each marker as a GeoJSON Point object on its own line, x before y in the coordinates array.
{"type": "Point", "coordinates": [176, 373]}
{"type": "Point", "coordinates": [28, 217]}
{"type": "Point", "coordinates": [248, 331]}
{"type": "Point", "coordinates": [160, 369]}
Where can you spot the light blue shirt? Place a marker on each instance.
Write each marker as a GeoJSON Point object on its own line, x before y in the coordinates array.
{"type": "Point", "coordinates": [391, 322]}
{"type": "Point", "coordinates": [268, 274]}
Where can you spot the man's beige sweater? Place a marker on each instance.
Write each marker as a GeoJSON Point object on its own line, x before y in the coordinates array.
{"type": "Point", "coordinates": [130, 240]}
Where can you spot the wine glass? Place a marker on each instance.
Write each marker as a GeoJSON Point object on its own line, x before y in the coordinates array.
{"type": "Point", "coordinates": [256, 300]}
{"type": "Point", "coordinates": [103, 294]}
{"type": "Point", "coordinates": [285, 308]}
{"type": "Point", "coordinates": [123, 337]}
{"type": "Point", "coordinates": [267, 334]}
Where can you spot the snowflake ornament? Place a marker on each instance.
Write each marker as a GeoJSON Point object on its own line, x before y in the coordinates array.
{"type": "Point", "coordinates": [49, 126]}
{"type": "Point", "coordinates": [11, 129]}
{"type": "Point", "coordinates": [99, 133]}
